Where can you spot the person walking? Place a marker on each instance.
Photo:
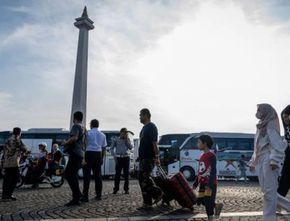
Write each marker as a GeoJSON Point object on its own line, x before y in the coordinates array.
{"type": "Point", "coordinates": [95, 151]}
{"type": "Point", "coordinates": [120, 149]}
{"type": "Point", "coordinates": [267, 157]}
{"type": "Point", "coordinates": [243, 168]}
{"type": "Point", "coordinates": [284, 182]}
{"type": "Point", "coordinates": [148, 156]}
{"type": "Point", "coordinates": [11, 157]}
{"type": "Point", "coordinates": [75, 146]}
{"type": "Point", "coordinates": [207, 178]}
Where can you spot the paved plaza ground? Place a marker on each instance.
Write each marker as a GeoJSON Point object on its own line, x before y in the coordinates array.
{"type": "Point", "coordinates": [242, 202]}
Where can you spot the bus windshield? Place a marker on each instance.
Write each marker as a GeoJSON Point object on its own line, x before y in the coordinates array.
{"type": "Point", "coordinates": [172, 140]}
{"type": "Point", "coordinates": [169, 148]}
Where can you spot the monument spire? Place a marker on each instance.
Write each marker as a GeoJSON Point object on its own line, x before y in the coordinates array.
{"type": "Point", "coordinates": [85, 13]}
{"type": "Point", "coordinates": [79, 101]}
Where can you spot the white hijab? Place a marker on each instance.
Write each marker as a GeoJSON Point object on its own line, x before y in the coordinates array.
{"type": "Point", "coordinates": [266, 114]}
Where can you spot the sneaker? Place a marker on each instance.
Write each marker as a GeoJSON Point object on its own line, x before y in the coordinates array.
{"type": "Point", "coordinates": [115, 192]}
{"type": "Point", "coordinates": [13, 198]}
{"type": "Point", "coordinates": [73, 203]}
{"type": "Point", "coordinates": [84, 199]}
{"type": "Point", "coordinates": [218, 209]}
{"type": "Point", "coordinates": [127, 192]}
{"type": "Point", "coordinates": [210, 218]}
{"type": "Point", "coordinates": [279, 210]}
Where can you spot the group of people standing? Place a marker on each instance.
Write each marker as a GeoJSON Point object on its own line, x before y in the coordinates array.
{"type": "Point", "coordinates": [14, 149]}
{"type": "Point", "coordinates": [87, 148]}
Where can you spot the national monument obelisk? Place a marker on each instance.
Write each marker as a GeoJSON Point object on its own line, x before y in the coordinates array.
{"type": "Point", "coordinates": [79, 101]}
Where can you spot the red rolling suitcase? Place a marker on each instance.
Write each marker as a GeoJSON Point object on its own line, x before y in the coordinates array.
{"type": "Point", "coordinates": [162, 181]}
{"type": "Point", "coordinates": [183, 193]}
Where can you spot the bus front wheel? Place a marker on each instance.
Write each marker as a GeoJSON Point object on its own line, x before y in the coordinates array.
{"type": "Point", "coordinates": [188, 173]}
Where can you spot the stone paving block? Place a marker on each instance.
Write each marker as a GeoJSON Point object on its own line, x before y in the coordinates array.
{"type": "Point", "coordinates": [46, 202]}
{"type": "Point", "coordinates": [119, 219]}
{"type": "Point", "coordinates": [96, 219]}
{"type": "Point", "coordinates": [53, 220]}
{"type": "Point", "coordinates": [138, 218]}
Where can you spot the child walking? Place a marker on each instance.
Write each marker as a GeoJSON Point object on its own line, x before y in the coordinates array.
{"type": "Point", "coordinates": [207, 178]}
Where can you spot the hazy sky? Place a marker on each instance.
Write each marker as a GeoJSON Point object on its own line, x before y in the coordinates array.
{"type": "Point", "coordinates": [197, 65]}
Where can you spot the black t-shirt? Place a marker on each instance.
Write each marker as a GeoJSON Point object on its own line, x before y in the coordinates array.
{"type": "Point", "coordinates": [148, 135]}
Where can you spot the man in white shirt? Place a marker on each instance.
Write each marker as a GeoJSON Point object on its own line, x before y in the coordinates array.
{"type": "Point", "coordinates": [121, 148]}
{"type": "Point", "coordinates": [95, 151]}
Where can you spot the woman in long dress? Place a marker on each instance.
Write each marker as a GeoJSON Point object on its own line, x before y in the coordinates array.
{"type": "Point", "coordinates": [267, 158]}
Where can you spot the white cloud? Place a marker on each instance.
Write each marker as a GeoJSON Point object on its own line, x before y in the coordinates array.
{"type": "Point", "coordinates": [198, 65]}
{"type": "Point", "coordinates": [5, 102]}
{"type": "Point", "coordinates": [19, 9]}
{"type": "Point", "coordinates": [210, 73]}
{"type": "Point", "coordinates": [123, 32]}
{"type": "Point", "coordinates": [269, 12]}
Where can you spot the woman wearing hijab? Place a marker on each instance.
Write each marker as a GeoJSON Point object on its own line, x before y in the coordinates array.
{"type": "Point", "coordinates": [284, 183]}
{"type": "Point", "coordinates": [267, 157]}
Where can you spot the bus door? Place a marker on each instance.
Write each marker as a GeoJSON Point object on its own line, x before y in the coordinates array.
{"type": "Point", "coordinates": [169, 154]}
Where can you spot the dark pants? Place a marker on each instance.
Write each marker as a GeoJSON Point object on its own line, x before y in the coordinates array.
{"type": "Point", "coordinates": [148, 187]}
{"type": "Point", "coordinates": [71, 175]}
{"type": "Point", "coordinates": [10, 180]}
{"type": "Point", "coordinates": [284, 182]}
{"type": "Point", "coordinates": [52, 168]}
{"type": "Point", "coordinates": [93, 163]}
{"type": "Point", "coordinates": [38, 170]}
{"type": "Point", "coordinates": [209, 202]}
{"type": "Point", "coordinates": [122, 163]}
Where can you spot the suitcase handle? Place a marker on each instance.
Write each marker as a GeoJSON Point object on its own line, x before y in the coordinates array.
{"type": "Point", "coordinates": [161, 173]}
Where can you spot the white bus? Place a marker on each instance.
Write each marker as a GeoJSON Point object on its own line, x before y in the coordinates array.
{"type": "Point", "coordinates": [179, 152]}
{"type": "Point", "coordinates": [32, 137]}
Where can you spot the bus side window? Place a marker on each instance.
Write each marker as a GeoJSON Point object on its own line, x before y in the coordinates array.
{"type": "Point", "coordinates": [191, 144]}
{"type": "Point", "coordinates": [233, 144]}
{"type": "Point", "coordinates": [252, 144]}
{"type": "Point", "coordinates": [219, 144]}
{"type": "Point", "coordinates": [245, 144]}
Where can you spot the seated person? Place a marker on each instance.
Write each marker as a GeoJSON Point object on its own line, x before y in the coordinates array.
{"type": "Point", "coordinates": [39, 164]}
{"type": "Point", "coordinates": [55, 159]}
